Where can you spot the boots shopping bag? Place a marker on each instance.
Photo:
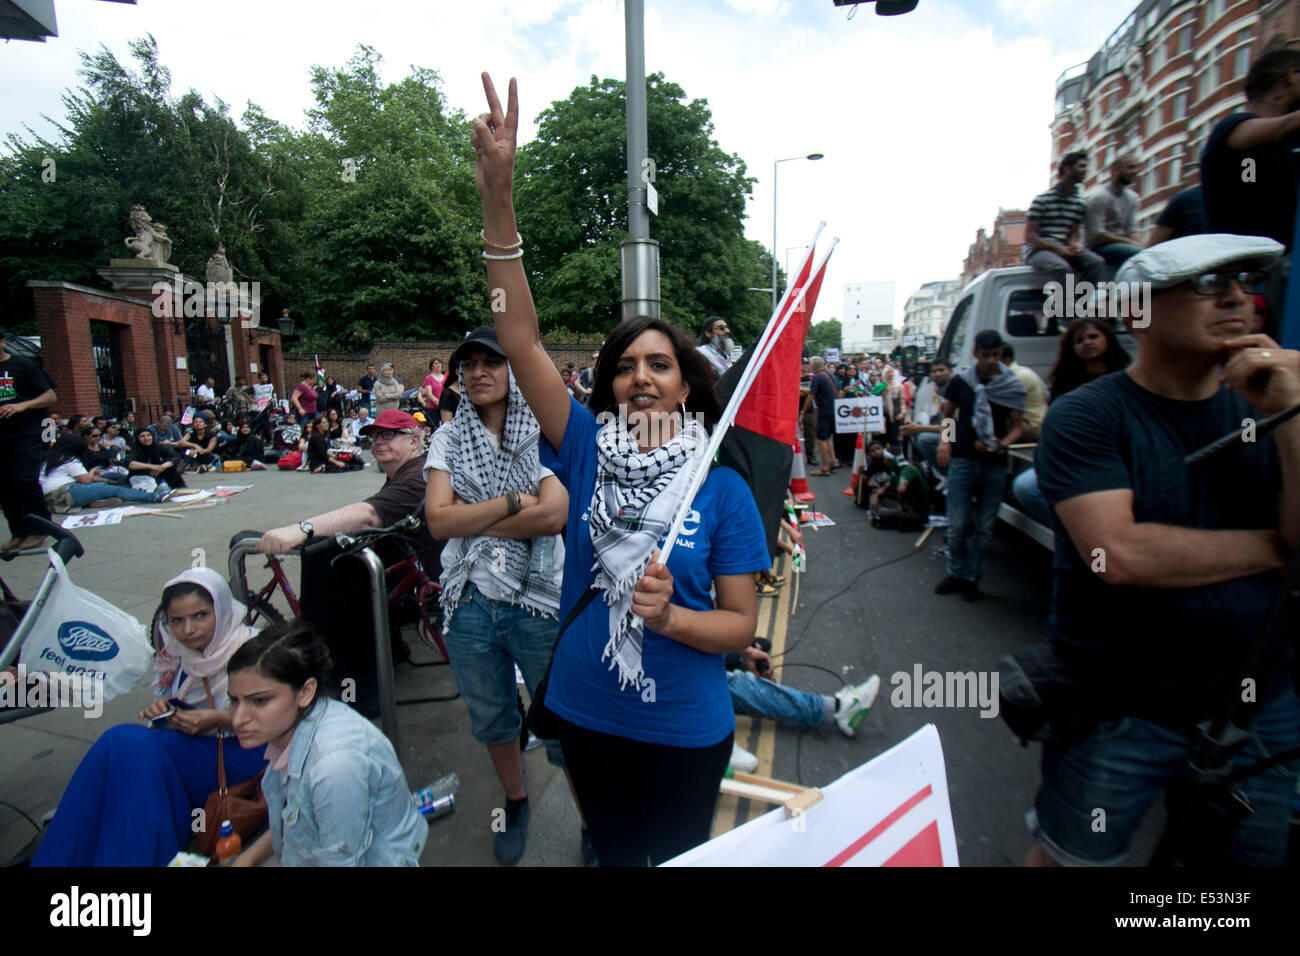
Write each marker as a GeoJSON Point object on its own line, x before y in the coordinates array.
{"type": "Point", "coordinates": [79, 633]}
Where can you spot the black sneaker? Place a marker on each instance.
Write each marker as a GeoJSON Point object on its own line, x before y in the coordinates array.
{"type": "Point", "coordinates": [948, 585]}
{"type": "Point", "coordinates": [508, 845]}
{"type": "Point", "coordinates": [970, 591]}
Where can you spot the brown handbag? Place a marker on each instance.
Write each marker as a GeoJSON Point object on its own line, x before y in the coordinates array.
{"type": "Point", "coordinates": [243, 804]}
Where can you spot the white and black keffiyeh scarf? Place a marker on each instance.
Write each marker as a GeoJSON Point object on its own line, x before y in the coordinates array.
{"type": "Point", "coordinates": [1004, 389]}
{"type": "Point", "coordinates": [480, 470]}
{"type": "Point", "coordinates": [637, 496]}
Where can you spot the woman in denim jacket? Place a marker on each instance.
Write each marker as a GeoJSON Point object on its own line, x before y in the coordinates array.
{"type": "Point", "coordinates": [335, 792]}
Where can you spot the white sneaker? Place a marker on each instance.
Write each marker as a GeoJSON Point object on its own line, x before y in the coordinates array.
{"type": "Point", "coordinates": [854, 703]}
{"type": "Point", "coordinates": [742, 760]}
{"type": "Point", "coordinates": [258, 466]}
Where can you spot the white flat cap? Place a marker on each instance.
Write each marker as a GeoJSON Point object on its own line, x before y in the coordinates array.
{"type": "Point", "coordinates": [1172, 263]}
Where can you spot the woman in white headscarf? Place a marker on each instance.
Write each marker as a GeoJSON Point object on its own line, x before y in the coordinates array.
{"type": "Point", "coordinates": [132, 800]}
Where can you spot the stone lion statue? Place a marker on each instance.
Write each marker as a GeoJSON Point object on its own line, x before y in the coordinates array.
{"type": "Point", "coordinates": [150, 240]}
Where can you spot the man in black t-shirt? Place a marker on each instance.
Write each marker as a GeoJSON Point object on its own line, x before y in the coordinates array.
{"type": "Point", "coordinates": [1183, 215]}
{"type": "Point", "coordinates": [364, 385]}
{"type": "Point", "coordinates": [26, 392]}
{"type": "Point", "coordinates": [1250, 168]}
{"type": "Point", "coordinates": [823, 391]}
{"type": "Point", "coordinates": [1164, 572]}
{"type": "Point", "coordinates": [986, 399]}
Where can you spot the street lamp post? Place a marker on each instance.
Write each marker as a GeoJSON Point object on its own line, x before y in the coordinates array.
{"type": "Point", "coordinates": [775, 163]}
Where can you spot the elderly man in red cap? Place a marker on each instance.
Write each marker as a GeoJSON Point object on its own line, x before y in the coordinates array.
{"type": "Point", "coordinates": [395, 439]}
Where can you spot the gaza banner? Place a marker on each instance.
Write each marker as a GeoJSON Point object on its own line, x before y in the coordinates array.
{"type": "Point", "coordinates": [891, 811]}
{"type": "Point", "coordinates": [852, 414]}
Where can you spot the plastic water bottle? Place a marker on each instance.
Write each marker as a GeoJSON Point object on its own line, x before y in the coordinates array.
{"type": "Point", "coordinates": [438, 798]}
{"type": "Point", "coordinates": [229, 844]}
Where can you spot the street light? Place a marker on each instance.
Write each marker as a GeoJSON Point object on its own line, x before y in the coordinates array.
{"type": "Point", "coordinates": [788, 159]}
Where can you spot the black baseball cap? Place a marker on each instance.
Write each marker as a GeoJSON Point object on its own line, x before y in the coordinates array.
{"type": "Point", "coordinates": [485, 336]}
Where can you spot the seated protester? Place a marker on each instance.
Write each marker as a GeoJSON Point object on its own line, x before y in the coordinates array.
{"type": "Point", "coordinates": [1088, 350]}
{"type": "Point", "coordinates": [1160, 634]}
{"type": "Point", "coordinates": [356, 423]}
{"type": "Point", "coordinates": [225, 435]}
{"type": "Point", "coordinates": [245, 447]}
{"type": "Point", "coordinates": [200, 445]}
{"type": "Point", "coordinates": [328, 600]}
{"type": "Point", "coordinates": [335, 791]}
{"type": "Point", "coordinates": [903, 491]}
{"type": "Point", "coordinates": [166, 433]}
{"type": "Point", "coordinates": [988, 401]}
{"type": "Point", "coordinates": [97, 455]}
{"type": "Point", "coordinates": [238, 398]}
{"type": "Point", "coordinates": [205, 395]}
{"type": "Point", "coordinates": [1052, 227]}
{"type": "Point", "coordinates": [500, 512]}
{"type": "Point", "coordinates": [129, 428]}
{"type": "Point", "coordinates": [150, 467]}
{"type": "Point", "coordinates": [335, 421]}
{"type": "Point", "coordinates": [321, 459]}
{"type": "Point", "coordinates": [646, 775]}
{"type": "Point", "coordinates": [753, 693]}
{"type": "Point", "coordinates": [1110, 213]}
{"type": "Point", "coordinates": [66, 483]}
{"type": "Point", "coordinates": [117, 440]}
{"type": "Point", "coordinates": [132, 799]}
{"type": "Point", "coordinates": [1035, 394]}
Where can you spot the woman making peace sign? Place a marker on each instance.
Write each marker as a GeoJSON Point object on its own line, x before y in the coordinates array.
{"type": "Point", "coordinates": [637, 680]}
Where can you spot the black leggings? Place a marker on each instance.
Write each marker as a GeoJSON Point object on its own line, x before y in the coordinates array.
{"type": "Point", "coordinates": [643, 803]}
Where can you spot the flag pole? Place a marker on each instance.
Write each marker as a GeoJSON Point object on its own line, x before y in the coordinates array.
{"type": "Point", "coordinates": [776, 325]}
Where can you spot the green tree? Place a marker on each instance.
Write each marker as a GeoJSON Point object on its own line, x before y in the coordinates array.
{"type": "Point", "coordinates": [124, 139]}
{"type": "Point", "coordinates": [824, 335]}
{"type": "Point", "coordinates": [388, 247]}
{"type": "Point", "coordinates": [572, 200]}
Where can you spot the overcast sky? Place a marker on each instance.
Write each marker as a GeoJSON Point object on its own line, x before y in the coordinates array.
{"type": "Point", "coordinates": [929, 121]}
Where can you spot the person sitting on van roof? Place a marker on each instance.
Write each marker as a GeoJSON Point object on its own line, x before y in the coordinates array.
{"type": "Point", "coordinates": [1052, 227]}
{"type": "Point", "coordinates": [1110, 213]}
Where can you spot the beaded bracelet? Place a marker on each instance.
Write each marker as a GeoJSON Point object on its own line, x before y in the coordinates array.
{"type": "Point", "coordinates": [517, 244]}
{"type": "Point", "coordinates": [517, 254]}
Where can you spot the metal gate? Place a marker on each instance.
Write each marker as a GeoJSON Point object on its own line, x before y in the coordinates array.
{"type": "Point", "coordinates": [106, 344]}
{"type": "Point", "coordinates": [207, 354]}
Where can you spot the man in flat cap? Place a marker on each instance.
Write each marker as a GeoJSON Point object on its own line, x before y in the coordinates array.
{"type": "Point", "coordinates": [1165, 572]}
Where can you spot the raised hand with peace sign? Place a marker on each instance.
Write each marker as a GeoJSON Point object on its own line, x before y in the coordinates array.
{"type": "Point", "coordinates": [494, 136]}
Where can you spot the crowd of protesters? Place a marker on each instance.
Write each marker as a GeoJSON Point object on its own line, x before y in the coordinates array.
{"type": "Point", "coordinates": [553, 491]}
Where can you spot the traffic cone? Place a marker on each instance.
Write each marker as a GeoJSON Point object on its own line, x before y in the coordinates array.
{"type": "Point", "coordinates": [799, 477]}
{"type": "Point", "coordinates": [858, 453]}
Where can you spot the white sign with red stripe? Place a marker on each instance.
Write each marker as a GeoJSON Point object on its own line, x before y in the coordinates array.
{"type": "Point", "coordinates": [891, 811]}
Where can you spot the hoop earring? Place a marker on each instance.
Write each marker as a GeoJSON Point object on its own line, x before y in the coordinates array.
{"type": "Point", "coordinates": [682, 406]}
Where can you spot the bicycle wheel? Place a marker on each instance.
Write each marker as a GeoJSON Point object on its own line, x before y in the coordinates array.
{"type": "Point", "coordinates": [264, 611]}
{"type": "Point", "coordinates": [428, 627]}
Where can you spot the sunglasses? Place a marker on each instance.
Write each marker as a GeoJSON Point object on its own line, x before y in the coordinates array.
{"type": "Point", "coordinates": [1252, 281]}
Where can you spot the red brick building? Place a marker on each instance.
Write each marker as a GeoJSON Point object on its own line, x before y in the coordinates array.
{"type": "Point", "coordinates": [997, 249]}
{"type": "Point", "coordinates": [1158, 85]}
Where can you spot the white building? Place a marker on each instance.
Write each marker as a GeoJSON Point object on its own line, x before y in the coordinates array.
{"type": "Point", "coordinates": [868, 322]}
{"type": "Point", "coordinates": [928, 308]}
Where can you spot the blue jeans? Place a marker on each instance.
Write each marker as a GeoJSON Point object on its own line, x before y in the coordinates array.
{"type": "Point", "coordinates": [485, 640]}
{"type": "Point", "coordinates": [1116, 253]}
{"type": "Point", "coordinates": [84, 494]}
{"type": "Point", "coordinates": [974, 494]}
{"type": "Point", "coordinates": [927, 446]}
{"type": "Point", "coordinates": [1030, 496]}
{"type": "Point", "coordinates": [1125, 766]}
{"type": "Point", "coordinates": [761, 698]}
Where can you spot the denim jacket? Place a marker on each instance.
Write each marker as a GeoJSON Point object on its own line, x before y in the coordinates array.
{"type": "Point", "coordinates": [343, 799]}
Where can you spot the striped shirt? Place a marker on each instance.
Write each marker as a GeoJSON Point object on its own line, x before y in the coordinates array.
{"type": "Point", "coordinates": [1056, 215]}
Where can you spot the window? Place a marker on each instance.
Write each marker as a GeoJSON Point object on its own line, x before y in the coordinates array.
{"type": "Point", "coordinates": [1243, 62]}
{"type": "Point", "coordinates": [1157, 54]}
{"type": "Point", "coordinates": [1026, 317]}
{"type": "Point", "coordinates": [1184, 40]}
{"type": "Point", "coordinates": [1204, 83]}
{"type": "Point", "coordinates": [882, 331]}
{"type": "Point", "coordinates": [1180, 106]}
{"type": "Point", "coordinates": [1175, 168]}
{"type": "Point", "coordinates": [955, 348]}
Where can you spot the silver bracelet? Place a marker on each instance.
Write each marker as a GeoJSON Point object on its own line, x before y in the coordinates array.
{"type": "Point", "coordinates": [517, 244]}
{"type": "Point", "coordinates": [517, 254]}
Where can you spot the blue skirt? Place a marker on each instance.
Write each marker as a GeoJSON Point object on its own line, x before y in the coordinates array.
{"type": "Point", "coordinates": [132, 800]}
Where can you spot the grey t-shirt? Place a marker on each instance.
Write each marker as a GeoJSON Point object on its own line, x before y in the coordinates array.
{"type": "Point", "coordinates": [1103, 211]}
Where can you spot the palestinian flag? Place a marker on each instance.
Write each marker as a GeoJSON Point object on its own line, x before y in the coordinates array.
{"type": "Point", "coordinates": [760, 444]}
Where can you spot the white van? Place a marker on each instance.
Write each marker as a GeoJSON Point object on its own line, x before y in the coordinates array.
{"type": "Point", "coordinates": [1010, 301]}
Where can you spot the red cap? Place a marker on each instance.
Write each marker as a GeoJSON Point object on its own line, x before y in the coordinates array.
{"type": "Point", "coordinates": [392, 420]}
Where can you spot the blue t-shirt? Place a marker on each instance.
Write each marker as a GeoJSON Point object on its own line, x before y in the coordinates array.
{"type": "Point", "coordinates": [723, 534]}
